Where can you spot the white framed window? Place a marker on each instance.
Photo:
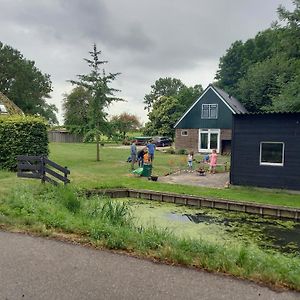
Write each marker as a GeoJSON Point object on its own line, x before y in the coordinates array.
{"type": "Point", "coordinates": [209, 111]}
{"type": "Point", "coordinates": [271, 153]}
{"type": "Point", "coordinates": [184, 133]}
{"type": "Point", "coordinates": [209, 139]}
{"type": "Point", "coordinates": [3, 109]}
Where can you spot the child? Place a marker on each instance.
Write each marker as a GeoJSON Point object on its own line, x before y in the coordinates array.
{"type": "Point", "coordinates": [190, 160]}
{"type": "Point", "coordinates": [146, 157]}
{"type": "Point", "coordinates": [213, 161]}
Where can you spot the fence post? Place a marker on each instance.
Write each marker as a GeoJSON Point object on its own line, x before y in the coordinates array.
{"type": "Point", "coordinates": [42, 169]}
{"type": "Point", "coordinates": [66, 175]}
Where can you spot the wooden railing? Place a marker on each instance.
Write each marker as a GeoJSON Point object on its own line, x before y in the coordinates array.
{"type": "Point", "coordinates": [40, 167]}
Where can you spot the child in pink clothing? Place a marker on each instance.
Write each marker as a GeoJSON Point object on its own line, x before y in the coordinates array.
{"type": "Point", "coordinates": [213, 161]}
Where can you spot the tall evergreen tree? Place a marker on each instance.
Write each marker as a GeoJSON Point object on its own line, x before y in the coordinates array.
{"type": "Point", "coordinates": [97, 82]}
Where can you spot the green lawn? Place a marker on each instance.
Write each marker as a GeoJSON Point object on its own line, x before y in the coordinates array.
{"type": "Point", "coordinates": [113, 171]}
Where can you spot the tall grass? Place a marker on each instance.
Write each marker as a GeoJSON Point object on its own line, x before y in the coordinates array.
{"type": "Point", "coordinates": [110, 224]}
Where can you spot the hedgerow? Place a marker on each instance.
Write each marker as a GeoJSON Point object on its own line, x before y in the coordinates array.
{"type": "Point", "coordinates": [21, 135]}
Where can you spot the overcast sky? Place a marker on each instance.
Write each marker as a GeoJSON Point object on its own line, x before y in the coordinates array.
{"type": "Point", "coordinates": [142, 39]}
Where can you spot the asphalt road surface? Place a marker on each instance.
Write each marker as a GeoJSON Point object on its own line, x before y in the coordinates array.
{"type": "Point", "coordinates": [37, 268]}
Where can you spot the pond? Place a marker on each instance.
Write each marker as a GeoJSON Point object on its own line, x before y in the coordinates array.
{"type": "Point", "coordinates": [219, 225]}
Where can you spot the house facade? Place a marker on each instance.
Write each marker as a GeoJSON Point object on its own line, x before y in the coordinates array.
{"type": "Point", "coordinates": [266, 150]}
{"type": "Point", "coordinates": [207, 124]}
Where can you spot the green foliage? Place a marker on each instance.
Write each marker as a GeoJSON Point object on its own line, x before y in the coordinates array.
{"type": "Point", "coordinates": [124, 123]}
{"type": "Point", "coordinates": [23, 83]}
{"type": "Point", "coordinates": [182, 151]}
{"type": "Point", "coordinates": [166, 103]}
{"type": "Point", "coordinates": [116, 213]}
{"type": "Point", "coordinates": [263, 72]}
{"type": "Point", "coordinates": [20, 136]}
{"type": "Point", "coordinates": [97, 84]}
{"type": "Point", "coordinates": [264, 81]}
{"type": "Point", "coordinates": [163, 117]}
{"type": "Point", "coordinates": [76, 109]}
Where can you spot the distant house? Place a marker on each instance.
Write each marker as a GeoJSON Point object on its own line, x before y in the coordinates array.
{"type": "Point", "coordinates": [7, 107]}
{"type": "Point", "coordinates": [207, 124]}
{"type": "Point", "coordinates": [266, 150]}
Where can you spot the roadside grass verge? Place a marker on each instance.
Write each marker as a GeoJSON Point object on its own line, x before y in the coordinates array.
{"type": "Point", "coordinates": [105, 223]}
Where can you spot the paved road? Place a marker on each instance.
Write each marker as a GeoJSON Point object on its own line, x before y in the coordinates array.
{"type": "Point", "coordinates": [36, 268]}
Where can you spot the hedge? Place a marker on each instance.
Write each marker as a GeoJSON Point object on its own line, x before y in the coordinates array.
{"type": "Point", "coordinates": [21, 135]}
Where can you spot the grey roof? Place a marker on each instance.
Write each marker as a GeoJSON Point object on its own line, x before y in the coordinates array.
{"type": "Point", "coordinates": [232, 102]}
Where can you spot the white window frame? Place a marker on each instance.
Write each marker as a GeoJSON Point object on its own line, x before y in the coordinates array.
{"type": "Point", "coordinates": [209, 111]}
{"type": "Point", "coordinates": [3, 109]}
{"type": "Point", "coordinates": [209, 131]}
{"type": "Point", "coordinates": [269, 163]}
{"type": "Point", "coordinates": [183, 131]}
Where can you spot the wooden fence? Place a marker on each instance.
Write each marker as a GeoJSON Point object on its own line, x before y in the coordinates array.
{"type": "Point", "coordinates": [40, 167]}
{"type": "Point", "coordinates": [64, 137]}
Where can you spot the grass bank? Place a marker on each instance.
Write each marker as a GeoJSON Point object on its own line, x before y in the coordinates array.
{"type": "Point", "coordinates": [46, 210]}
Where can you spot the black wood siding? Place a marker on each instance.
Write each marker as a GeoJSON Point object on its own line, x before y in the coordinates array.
{"type": "Point", "coordinates": [248, 132]}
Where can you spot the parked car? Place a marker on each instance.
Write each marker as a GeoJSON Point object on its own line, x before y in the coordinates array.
{"type": "Point", "coordinates": [162, 141]}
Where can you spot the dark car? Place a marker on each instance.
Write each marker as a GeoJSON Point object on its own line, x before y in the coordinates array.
{"type": "Point", "coordinates": [142, 140]}
{"type": "Point", "coordinates": [162, 141]}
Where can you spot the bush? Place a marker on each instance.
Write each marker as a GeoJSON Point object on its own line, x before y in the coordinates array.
{"type": "Point", "coordinates": [182, 151]}
{"type": "Point", "coordinates": [20, 135]}
{"type": "Point", "coordinates": [171, 150]}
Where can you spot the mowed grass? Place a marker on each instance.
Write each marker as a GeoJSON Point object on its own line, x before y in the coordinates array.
{"type": "Point", "coordinates": [113, 171]}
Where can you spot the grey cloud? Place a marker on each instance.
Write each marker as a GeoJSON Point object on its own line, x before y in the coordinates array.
{"type": "Point", "coordinates": [142, 39]}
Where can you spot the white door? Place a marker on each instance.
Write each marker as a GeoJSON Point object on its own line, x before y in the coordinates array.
{"type": "Point", "coordinates": [209, 139]}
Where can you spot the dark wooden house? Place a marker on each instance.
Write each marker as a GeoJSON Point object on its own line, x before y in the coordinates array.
{"type": "Point", "coordinates": [266, 150]}
{"type": "Point", "coordinates": [207, 124]}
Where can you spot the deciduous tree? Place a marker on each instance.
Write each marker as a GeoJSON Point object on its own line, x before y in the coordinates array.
{"type": "Point", "coordinates": [125, 123]}
{"type": "Point", "coordinates": [23, 83]}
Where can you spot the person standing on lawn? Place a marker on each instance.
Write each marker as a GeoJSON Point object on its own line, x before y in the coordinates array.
{"type": "Point", "coordinates": [140, 157]}
{"type": "Point", "coordinates": [213, 161]}
{"type": "Point", "coordinates": [190, 159]}
{"type": "Point", "coordinates": [133, 153]}
{"type": "Point", "coordinates": [151, 150]}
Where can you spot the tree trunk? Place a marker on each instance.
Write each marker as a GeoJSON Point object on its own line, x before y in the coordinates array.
{"type": "Point", "coordinates": [98, 146]}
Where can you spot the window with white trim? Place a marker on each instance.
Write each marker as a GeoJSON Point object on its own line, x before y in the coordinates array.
{"type": "Point", "coordinates": [184, 133]}
{"type": "Point", "coordinates": [3, 109]}
{"type": "Point", "coordinates": [209, 111]}
{"type": "Point", "coordinates": [271, 153]}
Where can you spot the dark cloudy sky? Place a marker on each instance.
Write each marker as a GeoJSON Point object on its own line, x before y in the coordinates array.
{"type": "Point", "coordinates": [142, 39]}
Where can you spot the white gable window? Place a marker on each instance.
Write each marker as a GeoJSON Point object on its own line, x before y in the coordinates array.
{"type": "Point", "coordinates": [3, 109]}
{"type": "Point", "coordinates": [209, 111]}
{"type": "Point", "coordinates": [184, 133]}
{"type": "Point", "coordinates": [271, 153]}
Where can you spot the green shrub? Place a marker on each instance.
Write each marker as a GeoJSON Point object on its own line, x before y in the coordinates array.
{"type": "Point", "coordinates": [182, 151]}
{"type": "Point", "coordinates": [20, 135]}
{"type": "Point", "coordinates": [171, 150]}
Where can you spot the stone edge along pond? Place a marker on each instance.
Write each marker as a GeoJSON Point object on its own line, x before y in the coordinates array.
{"type": "Point", "coordinates": [196, 201]}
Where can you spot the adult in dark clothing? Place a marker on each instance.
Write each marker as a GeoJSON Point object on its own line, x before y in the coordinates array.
{"type": "Point", "coordinates": [140, 157]}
